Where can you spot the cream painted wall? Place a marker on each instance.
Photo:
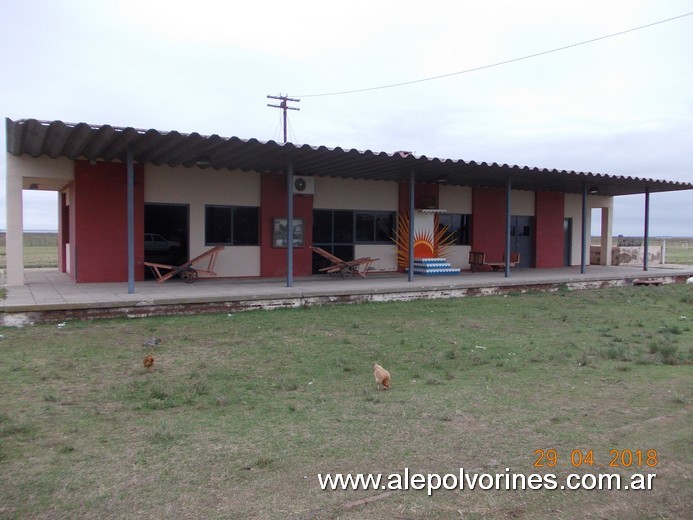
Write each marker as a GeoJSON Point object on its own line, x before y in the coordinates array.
{"type": "Point", "coordinates": [386, 254]}
{"type": "Point", "coordinates": [195, 188]}
{"type": "Point", "coordinates": [175, 185]}
{"type": "Point", "coordinates": [573, 209]}
{"type": "Point", "coordinates": [522, 203]}
{"type": "Point", "coordinates": [355, 194]}
{"type": "Point", "coordinates": [22, 172]}
{"type": "Point", "coordinates": [458, 256]}
{"type": "Point", "coordinates": [51, 174]}
{"type": "Point", "coordinates": [597, 201]}
{"type": "Point", "coordinates": [456, 199]}
{"type": "Point", "coordinates": [606, 215]}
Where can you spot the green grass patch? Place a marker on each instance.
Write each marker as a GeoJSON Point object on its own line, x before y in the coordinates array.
{"type": "Point", "coordinates": [239, 415]}
{"type": "Point", "coordinates": [40, 250]}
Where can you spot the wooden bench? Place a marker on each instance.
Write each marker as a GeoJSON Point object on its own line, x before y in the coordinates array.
{"type": "Point", "coordinates": [478, 258]}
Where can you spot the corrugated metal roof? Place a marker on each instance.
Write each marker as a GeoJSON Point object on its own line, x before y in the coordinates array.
{"type": "Point", "coordinates": [109, 143]}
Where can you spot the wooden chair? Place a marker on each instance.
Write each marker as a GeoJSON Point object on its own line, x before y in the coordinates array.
{"type": "Point", "coordinates": [186, 271]}
{"type": "Point", "coordinates": [344, 268]}
{"type": "Point", "coordinates": [476, 258]}
{"type": "Point", "coordinates": [514, 258]}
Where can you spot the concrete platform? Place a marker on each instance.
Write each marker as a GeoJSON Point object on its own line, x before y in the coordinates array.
{"type": "Point", "coordinates": [52, 296]}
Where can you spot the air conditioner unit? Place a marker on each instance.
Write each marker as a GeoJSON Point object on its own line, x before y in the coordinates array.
{"type": "Point", "coordinates": [304, 185]}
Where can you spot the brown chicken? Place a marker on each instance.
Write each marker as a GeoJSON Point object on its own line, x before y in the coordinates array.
{"type": "Point", "coordinates": [148, 362]}
{"type": "Point", "coordinates": [382, 377]}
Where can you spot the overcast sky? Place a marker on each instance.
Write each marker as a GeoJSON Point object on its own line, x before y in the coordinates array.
{"type": "Point", "coordinates": [619, 106]}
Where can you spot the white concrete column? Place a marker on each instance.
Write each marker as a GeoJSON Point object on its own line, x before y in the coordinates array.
{"type": "Point", "coordinates": [15, 225]}
{"type": "Point", "coordinates": [606, 238]}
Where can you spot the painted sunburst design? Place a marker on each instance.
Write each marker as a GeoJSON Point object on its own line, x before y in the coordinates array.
{"type": "Point", "coordinates": [427, 244]}
{"type": "Point", "coordinates": [423, 245]}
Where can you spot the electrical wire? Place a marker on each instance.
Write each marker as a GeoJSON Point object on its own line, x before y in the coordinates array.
{"type": "Point", "coordinates": [276, 135]}
{"type": "Point", "coordinates": [291, 132]}
{"type": "Point", "coordinates": [497, 64]}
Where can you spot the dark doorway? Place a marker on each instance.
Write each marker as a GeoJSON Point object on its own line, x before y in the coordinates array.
{"type": "Point", "coordinates": [166, 234]}
{"type": "Point", "coordinates": [522, 238]}
{"type": "Point", "coordinates": [333, 230]}
{"type": "Point", "coordinates": [567, 242]}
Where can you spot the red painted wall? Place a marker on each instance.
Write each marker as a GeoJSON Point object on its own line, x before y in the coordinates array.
{"type": "Point", "coordinates": [98, 222]}
{"type": "Point", "coordinates": [274, 204]}
{"type": "Point", "coordinates": [488, 222]}
{"type": "Point", "coordinates": [549, 216]}
{"type": "Point", "coordinates": [63, 230]}
{"type": "Point", "coordinates": [425, 196]}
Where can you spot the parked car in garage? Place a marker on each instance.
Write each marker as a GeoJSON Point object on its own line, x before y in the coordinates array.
{"type": "Point", "coordinates": [156, 243]}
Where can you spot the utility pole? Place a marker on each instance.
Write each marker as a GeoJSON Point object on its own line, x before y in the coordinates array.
{"type": "Point", "coordinates": [283, 105]}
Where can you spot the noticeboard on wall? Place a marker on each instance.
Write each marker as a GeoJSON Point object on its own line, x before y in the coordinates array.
{"type": "Point", "coordinates": [279, 232]}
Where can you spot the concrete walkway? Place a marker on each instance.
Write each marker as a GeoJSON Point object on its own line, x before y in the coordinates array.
{"type": "Point", "coordinates": [50, 295]}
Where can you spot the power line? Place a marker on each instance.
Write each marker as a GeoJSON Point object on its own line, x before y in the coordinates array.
{"type": "Point", "coordinates": [497, 64]}
{"type": "Point", "coordinates": [278, 129]}
{"type": "Point", "coordinates": [292, 132]}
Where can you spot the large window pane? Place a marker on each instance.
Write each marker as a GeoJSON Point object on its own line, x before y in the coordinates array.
{"type": "Point", "coordinates": [245, 226]}
{"type": "Point", "coordinates": [465, 229]}
{"type": "Point", "coordinates": [384, 227]}
{"type": "Point", "coordinates": [231, 225]}
{"type": "Point", "coordinates": [218, 225]}
{"type": "Point", "coordinates": [374, 226]}
{"type": "Point", "coordinates": [452, 222]}
{"type": "Point", "coordinates": [343, 227]}
{"type": "Point", "coordinates": [458, 226]}
{"type": "Point", "coordinates": [346, 253]}
{"type": "Point", "coordinates": [364, 227]}
{"type": "Point", "coordinates": [322, 226]}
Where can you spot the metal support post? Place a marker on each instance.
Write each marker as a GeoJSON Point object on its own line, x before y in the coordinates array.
{"type": "Point", "coordinates": [646, 238]}
{"type": "Point", "coordinates": [131, 220]}
{"type": "Point", "coordinates": [508, 221]}
{"type": "Point", "coordinates": [290, 225]}
{"type": "Point", "coordinates": [583, 242]}
{"type": "Point", "coordinates": [412, 178]}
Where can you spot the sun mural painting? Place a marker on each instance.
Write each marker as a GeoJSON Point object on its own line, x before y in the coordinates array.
{"type": "Point", "coordinates": [431, 240]}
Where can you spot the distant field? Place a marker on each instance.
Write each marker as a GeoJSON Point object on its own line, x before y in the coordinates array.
{"type": "Point", "coordinates": [679, 250]}
{"type": "Point", "coordinates": [40, 250]}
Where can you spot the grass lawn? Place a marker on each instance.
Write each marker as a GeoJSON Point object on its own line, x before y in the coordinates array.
{"type": "Point", "coordinates": [40, 250]}
{"type": "Point", "coordinates": [241, 413]}
{"type": "Point", "coordinates": [679, 251]}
